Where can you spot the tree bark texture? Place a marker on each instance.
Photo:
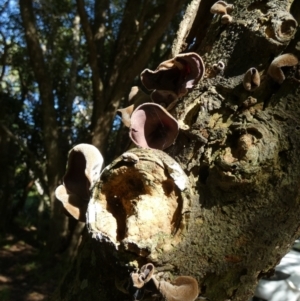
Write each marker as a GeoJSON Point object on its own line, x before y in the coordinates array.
{"type": "Point", "coordinates": [238, 214]}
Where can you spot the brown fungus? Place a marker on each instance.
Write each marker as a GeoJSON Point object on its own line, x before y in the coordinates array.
{"type": "Point", "coordinates": [140, 278]}
{"type": "Point", "coordinates": [166, 99]}
{"type": "Point", "coordinates": [251, 79]}
{"type": "Point", "coordinates": [220, 8]}
{"type": "Point", "coordinates": [229, 8]}
{"type": "Point", "coordinates": [226, 19]}
{"type": "Point", "coordinates": [183, 288]}
{"type": "Point", "coordinates": [83, 170]}
{"type": "Point", "coordinates": [284, 26]}
{"type": "Point", "coordinates": [284, 60]}
{"type": "Point", "coordinates": [153, 127]}
{"type": "Point", "coordinates": [219, 67]}
{"type": "Point", "coordinates": [125, 114]}
{"type": "Point", "coordinates": [176, 75]}
{"type": "Point", "coordinates": [136, 97]}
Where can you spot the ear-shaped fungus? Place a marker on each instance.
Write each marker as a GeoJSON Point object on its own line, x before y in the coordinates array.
{"type": "Point", "coordinates": [165, 98]}
{"type": "Point", "coordinates": [138, 280]}
{"type": "Point", "coordinates": [226, 19]}
{"type": "Point", "coordinates": [219, 67]}
{"type": "Point", "coordinates": [125, 114]}
{"type": "Point", "coordinates": [184, 288]}
{"type": "Point", "coordinates": [83, 169]}
{"type": "Point", "coordinates": [251, 79]}
{"type": "Point", "coordinates": [284, 60]}
{"type": "Point", "coordinates": [219, 8]}
{"type": "Point", "coordinates": [175, 75]}
{"type": "Point", "coordinates": [136, 97]}
{"type": "Point", "coordinates": [153, 127]}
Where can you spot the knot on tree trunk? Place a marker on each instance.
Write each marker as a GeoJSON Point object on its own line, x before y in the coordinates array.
{"type": "Point", "coordinates": [141, 203]}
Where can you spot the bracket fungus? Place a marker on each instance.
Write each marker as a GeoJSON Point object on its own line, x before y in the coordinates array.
{"type": "Point", "coordinates": [153, 127]}
{"type": "Point", "coordinates": [142, 207]}
{"type": "Point", "coordinates": [284, 60]}
{"type": "Point", "coordinates": [83, 170]}
{"type": "Point", "coordinates": [251, 79]}
{"type": "Point", "coordinates": [176, 75]}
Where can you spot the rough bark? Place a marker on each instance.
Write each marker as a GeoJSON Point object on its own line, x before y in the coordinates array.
{"type": "Point", "coordinates": [240, 151]}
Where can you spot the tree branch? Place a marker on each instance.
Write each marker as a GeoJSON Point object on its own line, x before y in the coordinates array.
{"type": "Point", "coordinates": [143, 53]}
{"type": "Point", "coordinates": [185, 26]}
{"type": "Point", "coordinates": [50, 127]}
{"type": "Point", "coordinates": [100, 30]}
{"type": "Point", "coordinates": [4, 56]}
{"type": "Point", "coordinates": [93, 61]}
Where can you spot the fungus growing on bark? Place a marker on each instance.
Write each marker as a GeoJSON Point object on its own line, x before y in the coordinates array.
{"type": "Point", "coordinates": [220, 8]}
{"type": "Point", "coordinates": [125, 114]}
{"type": "Point", "coordinates": [139, 279]}
{"type": "Point", "coordinates": [219, 67]}
{"type": "Point", "coordinates": [153, 127]}
{"type": "Point", "coordinates": [251, 79]}
{"type": "Point", "coordinates": [226, 19]}
{"type": "Point", "coordinates": [176, 75]}
{"type": "Point", "coordinates": [136, 97]}
{"type": "Point", "coordinates": [143, 207]}
{"type": "Point", "coordinates": [166, 99]}
{"type": "Point", "coordinates": [83, 170]}
{"type": "Point", "coordinates": [223, 9]}
{"type": "Point", "coordinates": [130, 157]}
{"type": "Point", "coordinates": [183, 288]}
{"type": "Point", "coordinates": [284, 26]}
{"type": "Point", "coordinates": [284, 60]}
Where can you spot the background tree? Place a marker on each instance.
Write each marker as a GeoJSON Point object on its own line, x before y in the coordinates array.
{"type": "Point", "coordinates": [63, 76]}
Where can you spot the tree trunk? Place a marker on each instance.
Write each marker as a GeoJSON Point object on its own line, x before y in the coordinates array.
{"type": "Point", "coordinates": [54, 151]}
{"type": "Point", "coordinates": [239, 213]}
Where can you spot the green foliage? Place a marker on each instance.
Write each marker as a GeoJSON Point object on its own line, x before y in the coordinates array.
{"type": "Point", "coordinates": [66, 59]}
{"type": "Point", "coordinates": [5, 294]}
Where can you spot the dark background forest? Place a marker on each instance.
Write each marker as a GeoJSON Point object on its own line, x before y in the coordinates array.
{"type": "Point", "coordinates": [65, 68]}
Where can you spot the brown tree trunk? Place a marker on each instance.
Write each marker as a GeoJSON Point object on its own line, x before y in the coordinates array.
{"type": "Point", "coordinates": [54, 153]}
{"type": "Point", "coordinates": [240, 149]}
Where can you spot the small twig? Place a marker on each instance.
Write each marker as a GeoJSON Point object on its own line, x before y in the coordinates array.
{"type": "Point", "coordinates": [185, 26]}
